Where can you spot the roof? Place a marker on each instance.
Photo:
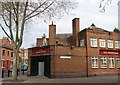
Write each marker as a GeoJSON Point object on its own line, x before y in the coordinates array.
{"type": "Point", "coordinates": [67, 35]}
{"type": "Point", "coordinates": [97, 28]}
{"type": "Point", "coordinates": [7, 47]}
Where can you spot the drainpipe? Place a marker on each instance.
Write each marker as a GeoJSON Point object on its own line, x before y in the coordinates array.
{"type": "Point", "coordinates": [86, 56]}
{"type": "Point", "coordinates": [54, 61]}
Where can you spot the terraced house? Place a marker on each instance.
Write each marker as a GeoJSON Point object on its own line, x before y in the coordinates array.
{"type": "Point", "coordinates": [6, 54]}
{"type": "Point", "coordinates": [91, 51]}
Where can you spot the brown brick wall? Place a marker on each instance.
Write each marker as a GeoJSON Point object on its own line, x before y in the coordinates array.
{"type": "Point", "coordinates": [95, 51]}
{"type": "Point", "coordinates": [76, 65]}
{"type": "Point", "coordinates": [75, 29]}
{"type": "Point", "coordinates": [52, 34]}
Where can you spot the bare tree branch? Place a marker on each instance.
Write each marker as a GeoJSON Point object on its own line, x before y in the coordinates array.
{"type": "Point", "coordinates": [35, 9]}
{"type": "Point", "coordinates": [10, 21]}
{"type": "Point", "coordinates": [5, 32]}
{"type": "Point", "coordinates": [5, 21]}
{"type": "Point", "coordinates": [22, 26]}
{"type": "Point", "coordinates": [40, 11]}
{"type": "Point", "coordinates": [17, 21]}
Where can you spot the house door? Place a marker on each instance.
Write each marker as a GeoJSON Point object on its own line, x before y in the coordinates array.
{"type": "Point", "coordinates": [41, 68]}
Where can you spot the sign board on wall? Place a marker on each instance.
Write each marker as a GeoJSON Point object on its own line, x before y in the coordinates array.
{"type": "Point", "coordinates": [41, 51]}
{"type": "Point", "coordinates": [65, 57]}
{"type": "Point", "coordinates": [109, 52]}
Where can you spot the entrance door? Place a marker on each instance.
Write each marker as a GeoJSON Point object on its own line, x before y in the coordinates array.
{"type": "Point", "coordinates": [41, 68]}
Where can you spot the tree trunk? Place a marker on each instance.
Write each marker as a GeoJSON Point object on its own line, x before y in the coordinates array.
{"type": "Point", "coordinates": [14, 69]}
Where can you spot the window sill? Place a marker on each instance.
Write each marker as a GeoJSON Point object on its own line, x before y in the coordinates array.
{"type": "Point", "coordinates": [110, 48]}
{"type": "Point", "coordinates": [3, 59]}
{"type": "Point", "coordinates": [94, 67]}
{"type": "Point", "coordinates": [111, 67]}
{"type": "Point", "coordinates": [102, 47]}
{"type": "Point", "coordinates": [103, 67]}
{"type": "Point", "coordinates": [93, 47]}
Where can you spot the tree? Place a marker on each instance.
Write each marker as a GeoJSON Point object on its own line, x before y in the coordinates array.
{"type": "Point", "coordinates": [15, 15]}
{"type": "Point", "coordinates": [116, 30]}
{"type": "Point", "coordinates": [104, 3]}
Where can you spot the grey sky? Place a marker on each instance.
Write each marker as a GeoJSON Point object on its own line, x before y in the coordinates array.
{"type": "Point", "coordinates": [88, 12]}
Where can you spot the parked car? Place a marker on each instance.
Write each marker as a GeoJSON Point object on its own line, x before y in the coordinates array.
{"type": "Point", "coordinates": [24, 67]}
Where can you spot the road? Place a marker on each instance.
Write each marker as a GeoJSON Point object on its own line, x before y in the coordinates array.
{"type": "Point", "coordinates": [97, 79]}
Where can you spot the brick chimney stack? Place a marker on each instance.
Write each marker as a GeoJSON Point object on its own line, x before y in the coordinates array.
{"type": "Point", "coordinates": [52, 34]}
{"type": "Point", "coordinates": [75, 27]}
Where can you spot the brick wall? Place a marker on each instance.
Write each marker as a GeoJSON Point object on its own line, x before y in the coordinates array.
{"type": "Point", "coordinates": [74, 66]}
{"type": "Point", "coordinates": [94, 51]}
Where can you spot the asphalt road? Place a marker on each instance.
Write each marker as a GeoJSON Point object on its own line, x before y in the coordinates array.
{"type": "Point", "coordinates": [97, 79]}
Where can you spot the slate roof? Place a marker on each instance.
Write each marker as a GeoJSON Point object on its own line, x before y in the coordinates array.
{"type": "Point", "coordinates": [66, 35]}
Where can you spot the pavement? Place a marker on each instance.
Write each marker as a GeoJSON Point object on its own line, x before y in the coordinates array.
{"type": "Point", "coordinates": [41, 79]}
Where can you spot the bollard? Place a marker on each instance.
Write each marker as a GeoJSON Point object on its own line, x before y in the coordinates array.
{"type": "Point", "coordinates": [2, 73]}
{"type": "Point", "coordinates": [23, 71]}
{"type": "Point", "coordinates": [8, 73]}
{"type": "Point", "coordinates": [17, 71]}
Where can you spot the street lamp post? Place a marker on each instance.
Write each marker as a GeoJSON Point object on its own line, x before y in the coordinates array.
{"type": "Point", "coordinates": [23, 61]}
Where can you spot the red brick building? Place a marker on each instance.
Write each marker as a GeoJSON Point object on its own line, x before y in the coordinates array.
{"type": "Point", "coordinates": [23, 59]}
{"type": "Point", "coordinates": [23, 53]}
{"type": "Point", "coordinates": [6, 54]}
{"type": "Point", "coordinates": [92, 51]}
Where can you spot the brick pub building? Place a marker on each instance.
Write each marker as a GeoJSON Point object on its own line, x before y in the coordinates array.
{"type": "Point", "coordinates": [92, 51]}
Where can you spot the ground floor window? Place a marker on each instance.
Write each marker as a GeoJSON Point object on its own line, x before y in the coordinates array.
{"type": "Point", "coordinates": [118, 62]}
{"type": "Point", "coordinates": [103, 62]}
{"type": "Point", "coordinates": [94, 62]}
{"type": "Point", "coordinates": [111, 62]}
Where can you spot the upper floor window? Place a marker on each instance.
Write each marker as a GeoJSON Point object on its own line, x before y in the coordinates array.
{"type": "Point", "coordinates": [117, 44]}
{"type": "Point", "coordinates": [3, 53]}
{"type": "Point", "coordinates": [94, 62]}
{"type": "Point", "coordinates": [93, 42]}
{"type": "Point", "coordinates": [3, 64]}
{"type": "Point", "coordinates": [110, 44]}
{"type": "Point", "coordinates": [11, 54]}
{"type": "Point", "coordinates": [102, 42]}
{"type": "Point", "coordinates": [8, 53]}
{"type": "Point", "coordinates": [82, 42]}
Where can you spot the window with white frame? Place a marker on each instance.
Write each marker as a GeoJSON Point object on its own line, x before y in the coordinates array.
{"type": "Point", "coordinates": [117, 44]}
{"type": "Point", "coordinates": [94, 62]}
{"type": "Point", "coordinates": [82, 42]}
{"type": "Point", "coordinates": [102, 42]}
{"type": "Point", "coordinates": [2, 64]}
{"type": "Point", "coordinates": [110, 44]}
{"type": "Point", "coordinates": [11, 65]}
{"type": "Point", "coordinates": [93, 42]}
{"type": "Point", "coordinates": [111, 62]}
{"type": "Point", "coordinates": [118, 62]}
{"type": "Point", "coordinates": [3, 53]}
{"type": "Point", "coordinates": [103, 62]}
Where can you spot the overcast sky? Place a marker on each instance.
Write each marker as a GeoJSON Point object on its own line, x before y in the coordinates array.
{"type": "Point", "coordinates": [88, 12]}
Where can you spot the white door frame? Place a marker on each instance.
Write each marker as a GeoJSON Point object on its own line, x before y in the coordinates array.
{"type": "Point", "coordinates": [41, 68]}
